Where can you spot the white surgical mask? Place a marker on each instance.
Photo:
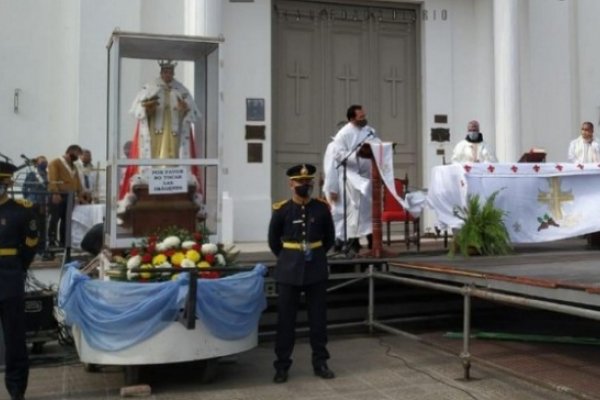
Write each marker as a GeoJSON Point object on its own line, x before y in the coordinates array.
{"type": "Point", "coordinates": [473, 135]}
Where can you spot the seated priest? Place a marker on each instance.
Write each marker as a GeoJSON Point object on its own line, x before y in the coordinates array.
{"type": "Point", "coordinates": [472, 148]}
{"type": "Point", "coordinates": [584, 149]}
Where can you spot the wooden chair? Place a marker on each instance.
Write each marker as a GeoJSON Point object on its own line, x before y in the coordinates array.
{"type": "Point", "coordinates": [394, 212]}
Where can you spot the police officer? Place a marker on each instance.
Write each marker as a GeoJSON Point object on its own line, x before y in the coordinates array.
{"type": "Point", "coordinates": [301, 232]}
{"type": "Point", "coordinates": [18, 242]}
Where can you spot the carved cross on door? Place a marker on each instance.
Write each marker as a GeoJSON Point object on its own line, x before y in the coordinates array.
{"type": "Point", "coordinates": [296, 75]}
{"type": "Point", "coordinates": [346, 79]}
{"type": "Point", "coordinates": [394, 80]}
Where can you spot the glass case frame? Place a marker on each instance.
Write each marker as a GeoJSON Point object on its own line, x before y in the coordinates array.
{"type": "Point", "coordinates": [203, 54]}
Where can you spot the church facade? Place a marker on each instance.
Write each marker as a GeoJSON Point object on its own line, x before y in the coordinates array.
{"type": "Point", "coordinates": [528, 70]}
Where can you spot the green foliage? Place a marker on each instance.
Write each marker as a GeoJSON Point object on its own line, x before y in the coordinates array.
{"type": "Point", "coordinates": [483, 231]}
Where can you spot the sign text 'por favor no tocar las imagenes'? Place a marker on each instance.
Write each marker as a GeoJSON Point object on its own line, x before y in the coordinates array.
{"type": "Point", "coordinates": [168, 180]}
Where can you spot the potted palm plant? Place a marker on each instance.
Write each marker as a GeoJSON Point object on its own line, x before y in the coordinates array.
{"type": "Point", "coordinates": [483, 231]}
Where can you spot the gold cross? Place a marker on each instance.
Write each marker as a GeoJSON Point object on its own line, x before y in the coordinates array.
{"type": "Point", "coordinates": [555, 197]}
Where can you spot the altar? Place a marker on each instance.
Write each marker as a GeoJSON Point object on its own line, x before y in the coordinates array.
{"type": "Point", "coordinates": [543, 202]}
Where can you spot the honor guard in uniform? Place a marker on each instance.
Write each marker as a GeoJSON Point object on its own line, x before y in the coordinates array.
{"type": "Point", "coordinates": [301, 232]}
{"type": "Point", "coordinates": [18, 242]}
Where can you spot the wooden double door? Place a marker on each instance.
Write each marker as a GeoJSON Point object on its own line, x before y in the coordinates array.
{"type": "Point", "coordinates": [328, 56]}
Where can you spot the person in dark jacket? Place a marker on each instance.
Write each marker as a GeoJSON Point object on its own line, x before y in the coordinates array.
{"type": "Point", "coordinates": [18, 242]}
{"type": "Point", "coordinates": [301, 232]}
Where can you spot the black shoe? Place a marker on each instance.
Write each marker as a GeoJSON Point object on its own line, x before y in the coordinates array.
{"type": "Point", "coordinates": [324, 372]}
{"type": "Point", "coordinates": [18, 397]}
{"type": "Point", "coordinates": [281, 376]}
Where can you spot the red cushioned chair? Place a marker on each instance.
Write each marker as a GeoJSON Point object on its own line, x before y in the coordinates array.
{"type": "Point", "coordinates": [394, 212]}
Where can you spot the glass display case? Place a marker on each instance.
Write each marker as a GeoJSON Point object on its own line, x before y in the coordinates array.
{"type": "Point", "coordinates": [169, 128]}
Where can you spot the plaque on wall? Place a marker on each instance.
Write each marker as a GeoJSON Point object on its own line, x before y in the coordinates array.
{"type": "Point", "coordinates": [255, 109]}
{"type": "Point", "coordinates": [255, 152]}
{"type": "Point", "coordinates": [255, 132]}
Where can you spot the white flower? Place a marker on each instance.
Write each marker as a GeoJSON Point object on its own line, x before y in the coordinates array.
{"type": "Point", "coordinates": [220, 259]}
{"type": "Point", "coordinates": [188, 244]}
{"type": "Point", "coordinates": [166, 264]}
{"type": "Point", "coordinates": [134, 262]}
{"type": "Point", "coordinates": [160, 247]}
{"type": "Point", "coordinates": [131, 275]}
{"type": "Point", "coordinates": [188, 264]}
{"type": "Point", "coordinates": [171, 242]}
{"type": "Point", "coordinates": [209, 248]}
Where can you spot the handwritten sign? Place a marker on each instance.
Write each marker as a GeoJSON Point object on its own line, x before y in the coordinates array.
{"type": "Point", "coordinates": [168, 180]}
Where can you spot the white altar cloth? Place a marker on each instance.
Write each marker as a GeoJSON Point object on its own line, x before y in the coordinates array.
{"type": "Point", "coordinates": [543, 202]}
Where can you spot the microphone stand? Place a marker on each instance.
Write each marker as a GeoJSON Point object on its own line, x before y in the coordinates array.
{"type": "Point", "coordinates": [343, 162]}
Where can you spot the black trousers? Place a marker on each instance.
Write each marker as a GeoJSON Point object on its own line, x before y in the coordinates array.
{"type": "Point", "coordinates": [316, 306]}
{"type": "Point", "coordinates": [58, 219]}
{"type": "Point", "coordinates": [12, 314]}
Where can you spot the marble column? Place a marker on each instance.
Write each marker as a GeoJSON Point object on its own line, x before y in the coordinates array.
{"type": "Point", "coordinates": [507, 80]}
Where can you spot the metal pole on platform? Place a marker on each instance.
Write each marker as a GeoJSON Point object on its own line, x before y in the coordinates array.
{"type": "Point", "coordinates": [371, 308]}
{"type": "Point", "coordinates": [465, 356]}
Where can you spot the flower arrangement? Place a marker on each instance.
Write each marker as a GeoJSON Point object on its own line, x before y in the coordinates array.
{"type": "Point", "coordinates": [173, 249]}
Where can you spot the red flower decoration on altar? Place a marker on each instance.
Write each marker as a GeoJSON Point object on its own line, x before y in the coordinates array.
{"type": "Point", "coordinates": [558, 167]}
{"type": "Point", "coordinates": [536, 168]}
{"type": "Point", "coordinates": [580, 166]}
{"type": "Point", "coordinates": [514, 168]}
{"type": "Point", "coordinates": [491, 168]}
{"type": "Point", "coordinates": [467, 168]}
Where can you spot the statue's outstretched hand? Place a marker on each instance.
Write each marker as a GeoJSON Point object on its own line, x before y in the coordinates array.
{"type": "Point", "coordinates": [150, 105]}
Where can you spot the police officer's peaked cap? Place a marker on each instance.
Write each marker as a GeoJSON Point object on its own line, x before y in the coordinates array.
{"type": "Point", "coordinates": [302, 171]}
{"type": "Point", "coordinates": [6, 169]}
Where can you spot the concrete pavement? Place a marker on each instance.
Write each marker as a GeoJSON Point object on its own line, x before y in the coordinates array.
{"type": "Point", "coordinates": [369, 367]}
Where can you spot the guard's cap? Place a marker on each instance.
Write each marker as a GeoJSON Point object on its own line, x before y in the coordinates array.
{"type": "Point", "coordinates": [6, 169]}
{"type": "Point", "coordinates": [302, 171]}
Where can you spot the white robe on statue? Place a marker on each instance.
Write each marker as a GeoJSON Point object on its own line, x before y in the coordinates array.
{"type": "Point", "coordinates": [358, 181]}
{"type": "Point", "coordinates": [165, 111]}
{"type": "Point", "coordinates": [583, 152]}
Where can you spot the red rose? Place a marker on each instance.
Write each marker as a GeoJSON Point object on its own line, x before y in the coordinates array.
{"type": "Point", "coordinates": [209, 258]}
{"type": "Point", "coordinates": [147, 258]}
{"type": "Point", "coordinates": [152, 239]}
{"type": "Point", "coordinates": [134, 252]}
{"type": "Point", "coordinates": [151, 248]}
{"type": "Point", "coordinates": [169, 253]}
{"type": "Point", "coordinates": [209, 274]}
{"type": "Point", "coordinates": [197, 236]}
{"type": "Point", "coordinates": [196, 247]}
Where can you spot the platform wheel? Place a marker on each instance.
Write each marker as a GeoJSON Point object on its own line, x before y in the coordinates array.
{"type": "Point", "coordinates": [210, 367]}
{"type": "Point", "coordinates": [89, 367]}
{"type": "Point", "coordinates": [132, 374]}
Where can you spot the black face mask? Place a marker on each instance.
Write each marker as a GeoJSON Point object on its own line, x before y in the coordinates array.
{"type": "Point", "coordinates": [362, 123]}
{"type": "Point", "coordinates": [303, 191]}
{"type": "Point", "coordinates": [73, 157]}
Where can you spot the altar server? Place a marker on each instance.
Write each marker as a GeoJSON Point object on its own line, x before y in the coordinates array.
{"type": "Point", "coordinates": [584, 149]}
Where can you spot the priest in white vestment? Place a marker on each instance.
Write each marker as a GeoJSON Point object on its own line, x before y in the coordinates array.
{"type": "Point", "coordinates": [345, 145]}
{"type": "Point", "coordinates": [473, 148]}
{"type": "Point", "coordinates": [584, 149]}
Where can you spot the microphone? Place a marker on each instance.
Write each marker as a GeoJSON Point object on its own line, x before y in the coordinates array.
{"type": "Point", "coordinates": [27, 159]}
{"type": "Point", "coordinates": [371, 133]}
